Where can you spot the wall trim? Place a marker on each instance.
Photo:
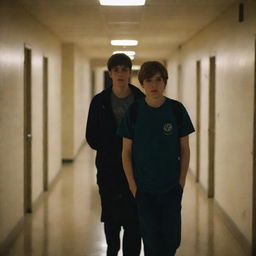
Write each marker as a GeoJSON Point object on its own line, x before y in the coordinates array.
{"type": "Point", "coordinates": [71, 160]}
{"type": "Point", "coordinates": [254, 164]}
{"type": "Point", "coordinates": [37, 201]}
{"type": "Point", "coordinates": [11, 237]}
{"type": "Point", "coordinates": [231, 225]}
{"type": "Point", "coordinates": [6, 245]}
{"type": "Point", "coordinates": [241, 239]}
{"type": "Point", "coordinates": [55, 180]}
{"type": "Point", "coordinates": [67, 160]}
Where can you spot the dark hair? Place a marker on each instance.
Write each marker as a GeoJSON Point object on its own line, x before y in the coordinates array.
{"type": "Point", "coordinates": [150, 68]}
{"type": "Point", "coordinates": [119, 59]}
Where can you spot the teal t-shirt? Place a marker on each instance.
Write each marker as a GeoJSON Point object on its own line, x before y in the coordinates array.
{"type": "Point", "coordinates": [156, 144]}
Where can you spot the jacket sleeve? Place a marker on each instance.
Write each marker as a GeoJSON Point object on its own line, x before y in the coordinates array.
{"type": "Point", "coordinates": [92, 127]}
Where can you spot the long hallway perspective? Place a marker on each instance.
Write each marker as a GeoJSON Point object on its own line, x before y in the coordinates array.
{"type": "Point", "coordinates": [53, 57]}
{"type": "Point", "coordinates": [66, 221]}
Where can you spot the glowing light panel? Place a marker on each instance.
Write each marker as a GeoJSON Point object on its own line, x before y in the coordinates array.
{"type": "Point", "coordinates": [123, 2]}
{"type": "Point", "coordinates": [129, 53]}
{"type": "Point", "coordinates": [135, 67]}
{"type": "Point", "coordinates": [124, 42]}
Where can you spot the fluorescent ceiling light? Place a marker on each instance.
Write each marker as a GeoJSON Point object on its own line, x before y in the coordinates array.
{"type": "Point", "coordinates": [124, 42]}
{"type": "Point", "coordinates": [123, 2]}
{"type": "Point", "coordinates": [135, 67]}
{"type": "Point", "coordinates": [129, 53]}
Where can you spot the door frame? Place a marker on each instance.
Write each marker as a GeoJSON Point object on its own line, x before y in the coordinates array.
{"type": "Point", "coordinates": [211, 148]}
{"type": "Point", "coordinates": [45, 123]}
{"type": "Point", "coordinates": [27, 90]}
{"type": "Point", "coordinates": [179, 76]}
{"type": "Point", "coordinates": [254, 164]}
{"type": "Point", "coordinates": [198, 117]}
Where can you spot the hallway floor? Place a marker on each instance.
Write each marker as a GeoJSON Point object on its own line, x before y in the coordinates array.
{"type": "Point", "coordinates": [66, 222]}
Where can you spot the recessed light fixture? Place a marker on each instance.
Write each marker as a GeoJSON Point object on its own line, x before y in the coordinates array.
{"type": "Point", "coordinates": [124, 42]}
{"type": "Point", "coordinates": [123, 2]}
{"type": "Point", "coordinates": [135, 67]}
{"type": "Point", "coordinates": [128, 53]}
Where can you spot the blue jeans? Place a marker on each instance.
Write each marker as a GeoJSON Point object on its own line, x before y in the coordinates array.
{"type": "Point", "coordinates": [160, 221]}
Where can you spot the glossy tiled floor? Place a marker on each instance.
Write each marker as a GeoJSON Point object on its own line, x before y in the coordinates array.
{"type": "Point", "coordinates": [67, 222]}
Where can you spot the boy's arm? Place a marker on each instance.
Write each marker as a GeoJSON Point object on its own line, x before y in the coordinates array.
{"type": "Point", "coordinates": [91, 133]}
{"type": "Point", "coordinates": [127, 164]}
{"type": "Point", "coordinates": [184, 159]}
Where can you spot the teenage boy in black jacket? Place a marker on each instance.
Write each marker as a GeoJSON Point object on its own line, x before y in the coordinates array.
{"type": "Point", "coordinates": [106, 111]}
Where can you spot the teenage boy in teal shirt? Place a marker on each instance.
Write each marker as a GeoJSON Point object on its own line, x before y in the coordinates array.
{"type": "Point", "coordinates": [155, 156]}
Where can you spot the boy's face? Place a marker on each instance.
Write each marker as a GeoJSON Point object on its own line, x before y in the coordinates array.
{"type": "Point", "coordinates": [154, 86]}
{"type": "Point", "coordinates": [120, 75]}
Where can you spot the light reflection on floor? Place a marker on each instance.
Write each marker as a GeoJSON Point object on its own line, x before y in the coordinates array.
{"type": "Point", "coordinates": [67, 222]}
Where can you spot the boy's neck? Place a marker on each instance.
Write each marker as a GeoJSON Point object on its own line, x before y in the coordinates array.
{"type": "Point", "coordinates": [155, 102]}
{"type": "Point", "coordinates": [121, 91]}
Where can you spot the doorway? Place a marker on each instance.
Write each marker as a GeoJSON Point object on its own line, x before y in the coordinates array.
{"type": "Point", "coordinates": [45, 123]}
{"type": "Point", "coordinates": [211, 151]}
{"type": "Point", "coordinates": [107, 80]}
{"type": "Point", "coordinates": [198, 120]}
{"type": "Point", "coordinates": [27, 132]}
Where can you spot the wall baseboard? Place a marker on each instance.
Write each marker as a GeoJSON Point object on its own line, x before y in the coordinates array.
{"type": "Point", "coordinates": [55, 180]}
{"type": "Point", "coordinates": [41, 197]}
{"type": "Point", "coordinates": [231, 225]}
{"type": "Point", "coordinates": [71, 160]}
{"type": "Point", "coordinates": [11, 237]}
{"type": "Point", "coordinates": [67, 160]}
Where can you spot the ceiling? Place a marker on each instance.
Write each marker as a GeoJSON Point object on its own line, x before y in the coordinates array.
{"type": "Point", "coordinates": [160, 26]}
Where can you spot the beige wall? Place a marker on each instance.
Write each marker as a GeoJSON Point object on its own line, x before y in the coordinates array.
{"type": "Point", "coordinates": [16, 29]}
{"type": "Point", "coordinates": [82, 97]}
{"type": "Point", "coordinates": [134, 79]}
{"type": "Point", "coordinates": [233, 45]}
{"type": "Point", "coordinates": [68, 52]}
{"type": "Point", "coordinates": [76, 90]}
{"type": "Point", "coordinates": [172, 83]}
{"type": "Point", "coordinates": [99, 79]}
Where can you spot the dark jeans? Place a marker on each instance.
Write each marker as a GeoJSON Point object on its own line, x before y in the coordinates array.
{"type": "Point", "coordinates": [119, 210]}
{"type": "Point", "coordinates": [160, 221]}
{"type": "Point", "coordinates": [131, 238]}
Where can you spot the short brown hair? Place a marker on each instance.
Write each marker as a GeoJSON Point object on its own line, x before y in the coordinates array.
{"type": "Point", "coordinates": [150, 68]}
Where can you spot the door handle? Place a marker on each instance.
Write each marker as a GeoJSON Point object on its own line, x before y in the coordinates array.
{"type": "Point", "coordinates": [29, 137]}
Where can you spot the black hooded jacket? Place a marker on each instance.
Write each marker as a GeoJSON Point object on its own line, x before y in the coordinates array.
{"type": "Point", "coordinates": [101, 136]}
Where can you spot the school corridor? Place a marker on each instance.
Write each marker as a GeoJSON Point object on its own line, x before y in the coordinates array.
{"type": "Point", "coordinates": [66, 222]}
{"type": "Point", "coordinates": [53, 56]}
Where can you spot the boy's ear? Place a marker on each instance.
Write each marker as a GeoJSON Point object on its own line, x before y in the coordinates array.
{"type": "Point", "coordinates": [109, 73]}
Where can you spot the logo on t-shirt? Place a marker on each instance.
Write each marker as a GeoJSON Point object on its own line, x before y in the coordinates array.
{"type": "Point", "coordinates": [167, 128]}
